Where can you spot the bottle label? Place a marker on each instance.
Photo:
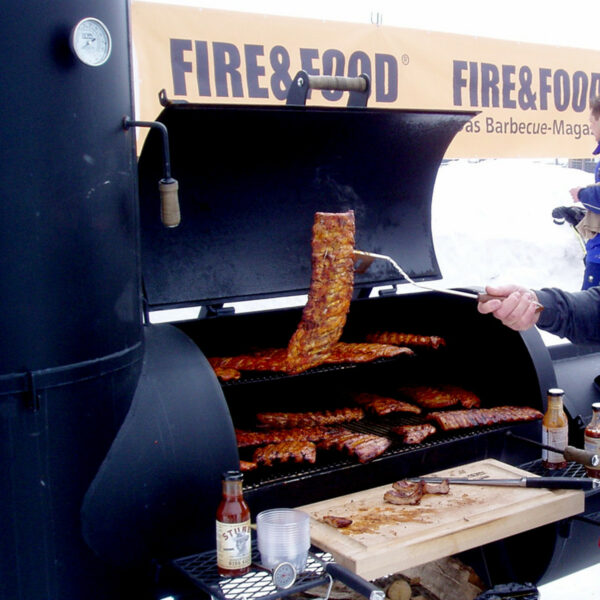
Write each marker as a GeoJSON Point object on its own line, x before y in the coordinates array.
{"type": "Point", "coordinates": [233, 545]}
{"type": "Point", "coordinates": [557, 437]}
{"type": "Point", "coordinates": [593, 445]}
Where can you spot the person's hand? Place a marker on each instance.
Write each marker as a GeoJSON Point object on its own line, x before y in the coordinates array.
{"type": "Point", "coordinates": [516, 307]}
{"type": "Point", "coordinates": [575, 193]}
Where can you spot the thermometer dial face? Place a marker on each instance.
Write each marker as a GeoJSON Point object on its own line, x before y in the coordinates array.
{"type": "Point", "coordinates": [284, 575]}
{"type": "Point", "coordinates": [90, 42]}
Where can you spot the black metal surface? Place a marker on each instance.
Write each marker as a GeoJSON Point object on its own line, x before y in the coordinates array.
{"type": "Point", "coordinates": [251, 179]}
{"type": "Point", "coordinates": [257, 584]}
{"type": "Point", "coordinates": [160, 484]}
{"type": "Point", "coordinates": [70, 325]}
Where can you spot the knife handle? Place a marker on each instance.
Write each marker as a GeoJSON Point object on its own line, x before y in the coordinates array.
{"type": "Point", "coordinates": [563, 483]}
{"type": "Point", "coordinates": [354, 581]}
{"type": "Point", "coordinates": [583, 457]}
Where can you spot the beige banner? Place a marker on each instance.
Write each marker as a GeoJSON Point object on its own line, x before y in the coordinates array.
{"type": "Point", "coordinates": [532, 100]}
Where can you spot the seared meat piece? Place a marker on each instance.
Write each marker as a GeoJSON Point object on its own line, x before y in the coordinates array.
{"type": "Point", "coordinates": [362, 352]}
{"type": "Point", "coordinates": [382, 405]}
{"type": "Point", "coordinates": [439, 396]}
{"type": "Point", "coordinates": [365, 446]}
{"type": "Point", "coordinates": [281, 420]}
{"type": "Point", "coordinates": [443, 487]}
{"type": "Point", "coordinates": [283, 452]}
{"type": "Point", "coordinates": [226, 373]}
{"type": "Point", "coordinates": [246, 465]}
{"type": "Point", "coordinates": [406, 339]}
{"type": "Point", "coordinates": [476, 417]}
{"type": "Point", "coordinates": [414, 434]}
{"type": "Point", "coordinates": [404, 492]}
{"type": "Point", "coordinates": [330, 292]}
{"type": "Point", "coordinates": [268, 359]}
{"type": "Point", "coordinates": [337, 522]}
{"type": "Point", "coordinates": [296, 434]}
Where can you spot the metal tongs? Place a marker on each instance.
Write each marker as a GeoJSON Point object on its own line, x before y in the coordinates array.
{"type": "Point", "coordinates": [363, 260]}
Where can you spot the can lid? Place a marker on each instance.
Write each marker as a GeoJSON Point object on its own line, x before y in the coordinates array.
{"type": "Point", "coordinates": [556, 392]}
{"type": "Point", "coordinates": [233, 475]}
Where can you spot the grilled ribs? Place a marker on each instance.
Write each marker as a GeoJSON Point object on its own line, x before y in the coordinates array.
{"type": "Point", "coordinates": [337, 522]}
{"type": "Point", "coordinates": [283, 452]}
{"type": "Point", "coordinates": [365, 446]}
{"type": "Point", "coordinates": [298, 434]}
{"type": "Point", "coordinates": [382, 405]}
{"type": "Point", "coordinates": [282, 420]}
{"type": "Point", "coordinates": [476, 417]}
{"type": "Point", "coordinates": [414, 434]}
{"type": "Point", "coordinates": [406, 339]}
{"type": "Point", "coordinates": [330, 292]}
{"type": "Point", "coordinates": [440, 396]}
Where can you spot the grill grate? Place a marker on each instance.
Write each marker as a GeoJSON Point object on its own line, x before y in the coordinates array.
{"type": "Point", "coordinates": [257, 583]}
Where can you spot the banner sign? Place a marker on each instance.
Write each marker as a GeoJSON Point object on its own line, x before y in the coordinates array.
{"type": "Point", "coordinates": [532, 100]}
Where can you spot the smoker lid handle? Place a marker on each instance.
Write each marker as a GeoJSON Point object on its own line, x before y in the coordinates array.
{"type": "Point", "coordinates": [354, 581]}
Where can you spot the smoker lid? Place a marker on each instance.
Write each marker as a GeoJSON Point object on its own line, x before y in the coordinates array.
{"type": "Point", "coordinates": [251, 179]}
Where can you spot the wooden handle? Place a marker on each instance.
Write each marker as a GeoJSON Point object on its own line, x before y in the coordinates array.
{"type": "Point", "coordinates": [332, 82]}
{"type": "Point", "coordinates": [169, 202]}
{"type": "Point", "coordinates": [485, 297]}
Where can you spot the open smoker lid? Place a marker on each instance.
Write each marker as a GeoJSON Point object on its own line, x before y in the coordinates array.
{"type": "Point", "coordinates": [251, 179]}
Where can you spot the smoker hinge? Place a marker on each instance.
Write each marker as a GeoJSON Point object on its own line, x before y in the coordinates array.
{"type": "Point", "coordinates": [216, 310]}
{"type": "Point", "coordinates": [33, 398]}
{"type": "Point", "coordinates": [387, 292]}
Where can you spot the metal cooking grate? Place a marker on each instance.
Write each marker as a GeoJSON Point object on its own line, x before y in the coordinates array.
{"type": "Point", "coordinates": [257, 583]}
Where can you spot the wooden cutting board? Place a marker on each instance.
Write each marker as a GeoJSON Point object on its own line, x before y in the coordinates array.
{"type": "Point", "coordinates": [386, 538]}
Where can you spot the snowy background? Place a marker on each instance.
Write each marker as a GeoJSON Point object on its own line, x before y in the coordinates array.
{"type": "Point", "coordinates": [492, 223]}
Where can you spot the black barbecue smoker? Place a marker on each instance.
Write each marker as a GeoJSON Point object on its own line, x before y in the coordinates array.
{"type": "Point", "coordinates": [115, 430]}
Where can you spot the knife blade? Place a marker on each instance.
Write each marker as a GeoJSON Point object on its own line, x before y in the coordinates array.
{"type": "Point", "coordinates": [531, 482]}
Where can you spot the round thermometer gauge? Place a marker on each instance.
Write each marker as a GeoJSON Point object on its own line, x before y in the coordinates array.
{"type": "Point", "coordinates": [90, 42]}
{"type": "Point", "coordinates": [284, 575]}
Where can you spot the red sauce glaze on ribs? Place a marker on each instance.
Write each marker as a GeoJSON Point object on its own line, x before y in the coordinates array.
{"type": "Point", "coordinates": [476, 417]}
{"type": "Point", "coordinates": [274, 436]}
{"type": "Point", "coordinates": [285, 452]}
{"type": "Point", "coordinates": [330, 292]}
{"type": "Point", "coordinates": [383, 405]}
{"type": "Point", "coordinates": [440, 396]}
{"type": "Point", "coordinates": [364, 446]}
{"type": "Point", "coordinates": [406, 339]}
{"type": "Point", "coordinates": [283, 420]}
{"type": "Point", "coordinates": [414, 434]}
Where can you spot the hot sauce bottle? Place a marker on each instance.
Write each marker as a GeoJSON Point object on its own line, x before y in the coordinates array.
{"type": "Point", "coordinates": [234, 552]}
{"type": "Point", "coordinates": [591, 438]}
{"type": "Point", "coordinates": [555, 430]}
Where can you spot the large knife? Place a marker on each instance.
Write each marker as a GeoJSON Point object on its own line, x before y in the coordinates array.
{"type": "Point", "coordinates": [573, 483]}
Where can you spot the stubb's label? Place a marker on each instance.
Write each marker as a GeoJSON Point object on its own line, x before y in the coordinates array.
{"type": "Point", "coordinates": [233, 545]}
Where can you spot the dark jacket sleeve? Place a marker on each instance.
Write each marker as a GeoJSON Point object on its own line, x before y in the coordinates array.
{"type": "Point", "coordinates": [571, 315]}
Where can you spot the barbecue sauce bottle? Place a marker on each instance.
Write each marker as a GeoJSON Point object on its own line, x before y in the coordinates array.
{"type": "Point", "coordinates": [555, 430]}
{"type": "Point", "coordinates": [591, 438]}
{"type": "Point", "coordinates": [234, 550]}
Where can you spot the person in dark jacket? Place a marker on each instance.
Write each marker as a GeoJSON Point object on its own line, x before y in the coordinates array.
{"type": "Point", "coordinates": [589, 196]}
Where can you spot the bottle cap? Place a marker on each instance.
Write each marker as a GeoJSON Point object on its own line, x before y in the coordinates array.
{"type": "Point", "coordinates": [556, 392]}
{"type": "Point", "coordinates": [596, 406]}
{"type": "Point", "coordinates": [233, 475]}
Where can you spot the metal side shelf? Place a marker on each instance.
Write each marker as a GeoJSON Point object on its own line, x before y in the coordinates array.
{"type": "Point", "coordinates": [573, 469]}
{"type": "Point", "coordinates": [257, 583]}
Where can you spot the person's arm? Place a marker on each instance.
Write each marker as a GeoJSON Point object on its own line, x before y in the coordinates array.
{"type": "Point", "coordinates": [574, 315]}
